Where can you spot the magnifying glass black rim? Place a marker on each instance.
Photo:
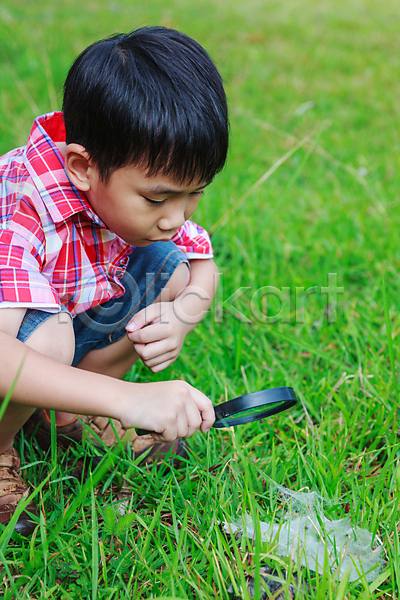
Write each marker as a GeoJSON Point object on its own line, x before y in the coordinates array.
{"type": "Point", "coordinates": [285, 396]}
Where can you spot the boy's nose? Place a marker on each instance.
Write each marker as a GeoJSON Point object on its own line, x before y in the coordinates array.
{"type": "Point", "coordinates": [173, 218]}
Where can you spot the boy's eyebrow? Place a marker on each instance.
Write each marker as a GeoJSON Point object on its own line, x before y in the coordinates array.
{"type": "Point", "coordinates": [159, 189]}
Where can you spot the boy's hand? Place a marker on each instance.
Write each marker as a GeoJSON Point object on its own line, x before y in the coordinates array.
{"type": "Point", "coordinates": [171, 408]}
{"type": "Point", "coordinates": [157, 335]}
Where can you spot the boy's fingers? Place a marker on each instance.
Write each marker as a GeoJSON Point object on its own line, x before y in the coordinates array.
{"type": "Point", "coordinates": [187, 423]}
{"type": "Point", "coordinates": [162, 366]}
{"type": "Point", "coordinates": [194, 419]}
{"type": "Point", "coordinates": [206, 408]}
{"type": "Point", "coordinates": [151, 333]}
{"type": "Point", "coordinates": [179, 428]}
{"type": "Point", "coordinates": [158, 360]}
{"type": "Point", "coordinates": [177, 410]}
{"type": "Point", "coordinates": [158, 363]}
{"type": "Point", "coordinates": [143, 317]}
{"type": "Point", "coordinates": [154, 350]}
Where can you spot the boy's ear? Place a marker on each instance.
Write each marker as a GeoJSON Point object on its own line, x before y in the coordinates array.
{"type": "Point", "coordinates": [78, 166]}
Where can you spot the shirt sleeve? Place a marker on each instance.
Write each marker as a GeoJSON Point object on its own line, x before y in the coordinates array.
{"type": "Point", "coordinates": [194, 241]}
{"type": "Point", "coordinates": [21, 282]}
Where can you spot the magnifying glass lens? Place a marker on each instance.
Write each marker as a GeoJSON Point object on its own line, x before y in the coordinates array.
{"type": "Point", "coordinates": [251, 412]}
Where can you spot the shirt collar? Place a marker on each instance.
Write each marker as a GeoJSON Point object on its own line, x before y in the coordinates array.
{"type": "Point", "coordinates": [46, 166]}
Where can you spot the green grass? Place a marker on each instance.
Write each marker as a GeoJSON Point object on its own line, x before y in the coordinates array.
{"type": "Point", "coordinates": [330, 207]}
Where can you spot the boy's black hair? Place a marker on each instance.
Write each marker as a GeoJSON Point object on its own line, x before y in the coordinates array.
{"type": "Point", "coordinates": [151, 98]}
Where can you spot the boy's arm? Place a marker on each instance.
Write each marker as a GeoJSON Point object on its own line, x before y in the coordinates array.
{"type": "Point", "coordinates": [173, 408]}
{"type": "Point", "coordinates": [158, 332]}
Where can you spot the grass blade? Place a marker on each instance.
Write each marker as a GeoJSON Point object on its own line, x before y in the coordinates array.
{"type": "Point", "coordinates": [389, 338]}
{"type": "Point", "coordinates": [7, 398]}
{"type": "Point", "coordinates": [95, 547]}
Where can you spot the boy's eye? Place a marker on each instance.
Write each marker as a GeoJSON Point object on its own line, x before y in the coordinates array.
{"type": "Point", "coordinates": [154, 202]}
{"type": "Point", "coordinates": [159, 202]}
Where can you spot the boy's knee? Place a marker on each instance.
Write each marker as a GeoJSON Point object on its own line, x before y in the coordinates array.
{"type": "Point", "coordinates": [179, 280]}
{"type": "Point", "coordinates": [54, 338]}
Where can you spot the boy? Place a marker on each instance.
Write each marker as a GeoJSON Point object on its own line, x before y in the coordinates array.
{"type": "Point", "coordinates": [99, 264]}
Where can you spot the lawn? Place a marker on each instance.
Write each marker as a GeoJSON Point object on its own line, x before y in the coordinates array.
{"type": "Point", "coordinates": [310, 189]}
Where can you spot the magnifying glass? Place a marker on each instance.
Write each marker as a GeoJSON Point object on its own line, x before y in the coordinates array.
{"type": "Point", "coordinates": [250, 407]}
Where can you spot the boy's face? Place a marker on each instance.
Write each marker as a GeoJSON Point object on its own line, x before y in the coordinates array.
{"type": "Point", "coordinates": [141, 209]}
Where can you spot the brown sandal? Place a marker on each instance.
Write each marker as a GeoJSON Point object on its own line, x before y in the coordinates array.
{"type": "Point", "coordinates": [40, 426]}
{"type": "Point", "coordinates": [159, 450]}
{"type": "Point", "coordinates": [12, 485]}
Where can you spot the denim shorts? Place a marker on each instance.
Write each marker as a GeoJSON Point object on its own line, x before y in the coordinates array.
{"type": "Point", "coordinates": [148, 271]}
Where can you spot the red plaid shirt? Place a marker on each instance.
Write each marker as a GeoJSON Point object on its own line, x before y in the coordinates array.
{"type": "Point", "coordinates": [54, 250]}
